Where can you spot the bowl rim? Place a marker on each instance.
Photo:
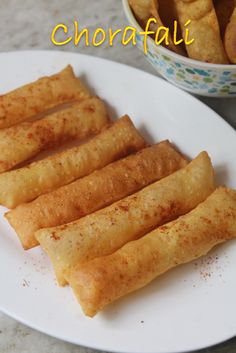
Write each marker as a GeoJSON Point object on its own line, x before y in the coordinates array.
{"type": "Point", "coordinates": [130, 16]}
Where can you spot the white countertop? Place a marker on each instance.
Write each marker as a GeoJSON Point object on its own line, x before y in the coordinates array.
{"type": "Point", "coordinates": [27, 25]}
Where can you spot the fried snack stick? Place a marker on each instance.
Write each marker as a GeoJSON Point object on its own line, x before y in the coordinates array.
{"type": "Point", "coordinates": [45, 93]}
{"type": "Point", "coordinates": [21, 142]}
{"type": "Point", "coordinates": [155, 14]}
{"type": "Point", "coordinates": [94, 191]}
{"type": "Point", "coordinates": [106, 230]}
{"type": "Point", "coordinates": [141, 10]}
{"type": "Point", "coordinates": [230, 38]}
{"type": "Point", "coordinates": [204, 29]}
{"type": "Point", "coordinates": [168, 15]}
{"type": "Point", "coordinates": [25, 184]}
{"type": "Point", "coordinates": [103, 280]}
{"type": "Point", "coordinates": [145, 9]}
{"type": "Point", "coordinates": [224, 10]}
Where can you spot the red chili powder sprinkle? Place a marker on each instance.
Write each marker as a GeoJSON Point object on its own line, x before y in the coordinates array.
{"type": "Point", "coordinates": [208, 266]}
{"type": "Point", "coordinates": [55, 236]}
{"type": "Point", "coordinates": [25, 283]}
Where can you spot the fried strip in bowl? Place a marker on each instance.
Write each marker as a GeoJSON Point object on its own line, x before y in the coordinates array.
{"type": "Point", "coordinates": [168, 15]}
{"type": "Point", "coordinates": [95, 191]}
{"type": "Point", "coordinates": [106, 230]}
{"type": "Point", "coordinates": [105, 279]}
{"type": "Point", "coordinates": [141, 10]}
{"type": "Point", "coordinates": [24, 141]}
{"type": "Point", "coordinates": [230, 38]}
{"type": "Point", "coordinates": [204, 29]}
{"type": "Point", "coordinates": [159, 23]}
{"type": "Point", "coordinates": [25, 184]}
{"type": "Point", "coordinates": [224, 10]}
{"type": "Point", "coordinates": [36, 97]}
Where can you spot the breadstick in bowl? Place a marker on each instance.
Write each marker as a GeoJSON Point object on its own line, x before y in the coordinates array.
{"type": "Point", "coordinates": [230, 38]}
{"type": "Point", "coordinates": [23, 141]}
{"type": "Point", "coordinates": [95, 191]}
{"type": "Point", "coordinates": [203, 28]}
{"type": "Point", "coordinates": [224, 10]}
{"type": "Point", "coordinates": [141, 9]}
{"type": "Point", "coordinates": [159, 23]}
{"type": "Point", "coordinates": [36, 97]}
{"type": "Point", "coordinates": [105, 279]}
{"type": "Point", "coordinates": [25, 184]}
{"type": "Point", "coordinates": [106, 230]}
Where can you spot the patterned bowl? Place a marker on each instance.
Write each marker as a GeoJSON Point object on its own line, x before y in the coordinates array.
{"type": "Point", "coordinates": [214, 80]}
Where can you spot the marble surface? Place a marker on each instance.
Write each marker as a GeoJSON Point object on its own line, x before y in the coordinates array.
{"type": "Point", "coordinates": [27, 25]}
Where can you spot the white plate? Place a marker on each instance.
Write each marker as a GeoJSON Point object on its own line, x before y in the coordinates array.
{"type": "Point", "coordinates": [183, 310]}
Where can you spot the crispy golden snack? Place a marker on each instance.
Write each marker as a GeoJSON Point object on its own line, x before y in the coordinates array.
{"type": "Point", "coordinates": [204, 28]}
{"type": "Point", "coordinates": [23, 141]}
{"type": "Point", "coordinates": [45, 93]}
{"type": "Point", "coordinates": [105, 279]}
{"type": "Point", "coordinates": [94, 191]}
{"type": "Point", "coordinates": [230, 38]}
{"type": "Point", "coordinates": [141, 10]}
{"type": "Point", "coordinates": [145, 9]}
{"type": "Point", "coordinates": [167, 12]}
{"type": "Point", "coordinates": [155, 14]}
{"type": "Point", "coordinates": [224, 10]}
{"type": "Point", "coordinates": [106, 230]}
{"type": "Point", "coordinates": [168, 15]}
{"type": "Point", "coordinates": [25, 184]}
